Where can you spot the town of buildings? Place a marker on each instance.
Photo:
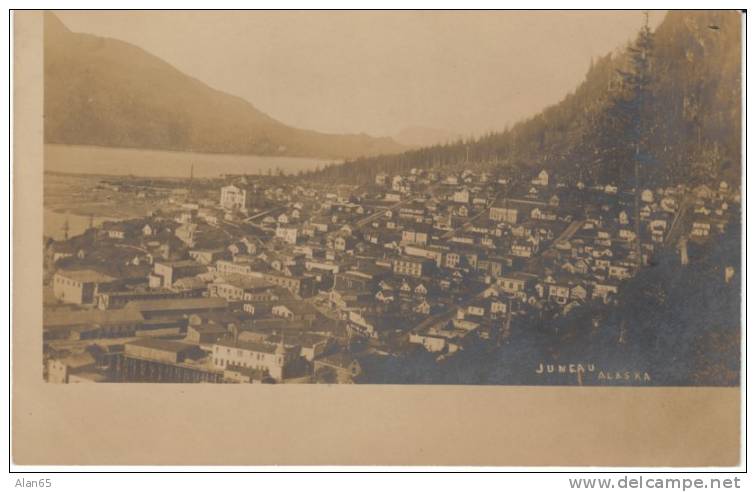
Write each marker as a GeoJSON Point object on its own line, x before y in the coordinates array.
{"type": "Point", "coordinates": [273, 280]}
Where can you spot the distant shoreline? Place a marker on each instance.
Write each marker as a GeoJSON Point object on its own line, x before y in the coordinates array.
{"type": "Point", "coordinates": [150, 163]}
{"type": "Point", "coordinates": [90, 175]}
{"type": "Point", "coordinates": [329, 160]}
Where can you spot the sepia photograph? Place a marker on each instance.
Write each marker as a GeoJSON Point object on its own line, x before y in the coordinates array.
{"type": "Point", "coordinates": [347, 220]}
{"type": "Point", "coordinates": [513, 212]}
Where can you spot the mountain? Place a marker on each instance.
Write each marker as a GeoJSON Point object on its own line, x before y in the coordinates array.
{"type": "Point", "coordinates": [105, 92]}
{"type": "Point", "coordinates": [421, 136]}
{"type": "Point", "coordinates": [692, 116]}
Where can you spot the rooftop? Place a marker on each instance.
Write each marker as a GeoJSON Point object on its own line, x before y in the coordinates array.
{"type": "Point", "coordinates": [208, 328]}
{"type": "Point", "coordinates": [160, 344]}
{"type": "Point", "coordinates": [177, 304]}
{"type": "Point", "coordinates": [180, 263]}
{"type": "Point", "coordinates": [244, 281]}
{"type": "Point", "coordinates": [85, 276]}
{"type": "Point", "coordinates": [68, 318]}
{"type": "Point", "coordinates": [267, 348]}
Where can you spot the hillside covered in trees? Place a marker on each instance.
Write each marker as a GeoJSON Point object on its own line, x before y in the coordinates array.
{"type": "Point", "coordinates": [691, 115]}
{"type": "Point", "coordinates": [106, 92]}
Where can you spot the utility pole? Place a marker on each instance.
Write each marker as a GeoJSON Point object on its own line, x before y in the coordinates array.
{"type": "Point", "coordinates": [66, 228]}
{"type": "Point", "coordinates": [506, 329]}
{"type": "Point", "coordinates": [640, 80]}
{"type": "Point", "coordinates": [638, 252]}
{"type": "Point", "coordinates": [190, 194]}
{"type": "Point", "coordinates": [683, 247]}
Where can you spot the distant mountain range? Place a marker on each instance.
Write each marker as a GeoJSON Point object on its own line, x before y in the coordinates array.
{"type": "Point", "coordinates": [105, 92]}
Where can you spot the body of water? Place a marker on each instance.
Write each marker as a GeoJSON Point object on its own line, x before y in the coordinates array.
{"type": "Point", "coordinates": [54, 223]}
{"type": "Point", "coordinates": [85, 159]}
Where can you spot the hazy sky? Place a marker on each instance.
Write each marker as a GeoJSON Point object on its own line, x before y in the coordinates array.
{"type": "Point", "coordinates": [379, 72]}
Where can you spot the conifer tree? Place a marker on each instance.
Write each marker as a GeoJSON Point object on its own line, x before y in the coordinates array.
{"type": "Point", "coordinates": [631, 110]}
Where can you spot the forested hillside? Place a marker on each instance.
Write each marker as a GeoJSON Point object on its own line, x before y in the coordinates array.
{"type": "Point", "coordinates": [691, 115]}
{"type": "Point", "coordinates": [106, 92]}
